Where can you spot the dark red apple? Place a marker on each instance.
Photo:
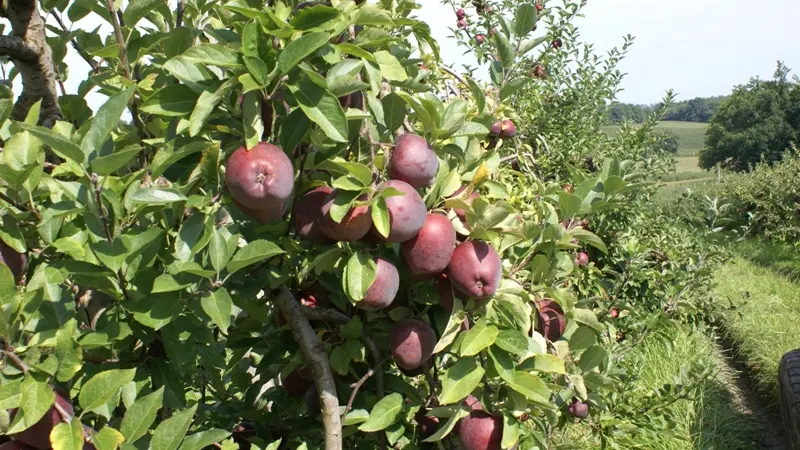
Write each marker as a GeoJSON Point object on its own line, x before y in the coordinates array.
{"type": "Point", "coordinates": [462, 23]}
{"type": "Point", "coordinates": [475, 269]}
{"type": "Point", "coordinates": [308, 213]}
{"type": "Point", "coordinates": [426, 426]}
{"type": "Point", "coordinates": [496, 128]}
{"type": "Point", "coordinates": [38, 436]}
{"type": "Point", "coordinates": [614, 313]}
{"type": "Point", "coordinates": [16, 262]}
{"type": "Point", "coordinates": [509, 129]}
{"type": "Point", "coordinates": [480, 431]}
{"type": "Point", "coordinates": [551, 323]}
{"type": "Point", "coordinates": [413, 160]}
{"type": "Point", "coordinates": [539, 7]}
{"type": "Point", "coordinates": [412, 343]}
{"type": "Point", "coordinates": [261, 178]}
{"type": "Point", "coordinates": [353, 226]}
{"type": "Point", "coordinates": [578, 409]}
{"type": "Point", "coordinates": [428, 253]}
{"type": "Point", "coordinates": [460, 14]}
{"type": "Point", "coordinates": [557, 43]}
{"type": "Point", "coordinates": [383, 290]}
{"type": "Point", "coordinates": [480, 39]}
{"type": "Point", "coordinates": [407, 213]}
{"type": "Point", "coordinates": [14, 445]}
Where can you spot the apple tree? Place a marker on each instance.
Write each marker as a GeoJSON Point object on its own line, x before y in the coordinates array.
{"type": "Point", "coordinates": [290, 225]}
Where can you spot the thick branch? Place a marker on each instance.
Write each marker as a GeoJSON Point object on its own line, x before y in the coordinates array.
{"type": "Point", "coordinates": [325, 315]}
{"type": "Point", "coordinates": [28, 49]}
{"type": "Point", "coordinates": [315, 354]}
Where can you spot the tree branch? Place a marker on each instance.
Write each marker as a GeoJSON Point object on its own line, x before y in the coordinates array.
{"type": "Point", "coordinates": [28, 49]}
{"type": "Point", "coordinates": [179, 15]}
{"type": "Point", "coordinates": [94, 64]}
{"type": "Point", "coordinates": [455, 75]}
{"type": "Point", "coordinates": [315, 354]}
{"type": "Point", "coordinates": [325, 315]}
{"type": "Point", "coordinates": [358, 385]}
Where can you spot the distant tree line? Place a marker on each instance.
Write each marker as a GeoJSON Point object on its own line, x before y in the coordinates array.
{"type": "Point", "coordinates": [758, 122]}
{"type": "Point", "coordinates": [698, 109]}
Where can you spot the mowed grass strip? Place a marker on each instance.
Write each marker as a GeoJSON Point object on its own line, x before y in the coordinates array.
{"type": "Point", "coordinates": [714, 420]}
{"type": "Point", "coordinates": [691, 135]}
{"type": "Point", "coordinates": [767, 324]}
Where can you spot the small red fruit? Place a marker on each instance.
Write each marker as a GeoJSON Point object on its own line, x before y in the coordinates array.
{"type": "Point", "coordinates": [308, 212]}
{"type": "Point", "coordinates": [261, 178]}
{"type": "Point", "coordinates": [428, 253]}
{"type": "Point", "coordinates": [551, 323]}
{"type": "Point", "coordinates": [480, 431]}
{"type": "Point", "coordinates": [355, 224]}
{"type": "Point", "coordinates": [496, 128]}
{"type": "Point", "coordinates": [567, 187]}
{"type": "Point", "coordinates": [480, 39]}
{"type": "Point", "coordinates": [614, 313]}
{"type": "Point", "coordinates": [475, 269]}
{"type": "Point", "coordinates": [461, 13]}
{"type": "Point", "coordinates": [462, 24]}
{"type": "Point", "coordinates": [412, 343]}
{"type": "Point", "coordinates": [582, 259]}
{"type": "Point", "coordinates": [578, 409]}
{"type": "Point", "coordinates": [509, 129]}
{"type": "Point", "coordinates": [557, 43]}
{"type": "Point", "coordinates": [413, 160]}
{"type": "Point", "coordinates": [383, 290]}
{"type": "Point", "coordinates": [539, 7]}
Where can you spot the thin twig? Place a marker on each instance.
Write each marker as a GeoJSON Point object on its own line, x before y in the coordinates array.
{"type": "Point", "coordinates": [16, 360]}
{"type": "Point", "coordinates": [376, 356]}
{"type": "Point", "coordinates": [179, 15]}
{"type": "Point", "coordinates": [455, 75]}
{"type": "Point", "coordinates": [13, 202]}
{"type": "Point", "coordinates": [65, 416]}
{"type": "Point", "coordinates": [366, 133]}
{"type": "Point", "coordinates": [358, 385]}
{"type": "Point", "coordinates": [94, 64]}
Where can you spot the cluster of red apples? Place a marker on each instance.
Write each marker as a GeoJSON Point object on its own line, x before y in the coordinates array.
{"type": "Point", "coordinates": [261, 182]}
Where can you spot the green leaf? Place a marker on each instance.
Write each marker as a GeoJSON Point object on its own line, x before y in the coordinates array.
{"type": "Point", "coordinates": [549, 363]}
{"type": "Point", "coordinates": [587, 237]}
{"type": "Point", "coordinates": [206, 104]}
{"type": "Point", "coordinates": [106, 165]}
{"type": "Point", "coordinates": [360, 171]}
{"type": "Point", "coordinates": [102, 387]}
{"type": "Point", "coordinates": [588, 317]}
{"type": "Point", "coordinates": [322, 107]}
{"type": "Point", "coordinates": [6, 103]}
{"type": "Point", "coordinates": [170, 432]}
{"type": "Point", "coordinates": [218, 305]}
{"type": "Point", "coordinates": [354, 50]}
{"type": "Point", "coordinates": [299, 49]}
{"type": "Point", "coordinates": [141, 415]}
{"type": "Point", "coordinates": [394, 111]}
{"type": "Point", "coordinates": [504, 50]}
{"type": "Point", "coordinates": [252, 253]}
{"type": "Point", "coordinates": [569, 205]}
{"type": "Point", "coordinates": [218, 251]}
{"type": "Point", "coordinates": [531, 387]}
{"type": "Point", "coordinates": [69, 355]}
{"type": "Point", "coordinates": [10, 394]}
{"type": "Point", "coordinates": [313, 17]}
{"type": "Point", "coordinates": [359, 274]}
{"type": "Point", "coordinates": [503, 364]}
{"type": "Point", "coordinates": [525, 19]}
{"type": "Point", "coordinates": [35, 400]}
{"type": "Point", "coordinates": [380, 217]}
{"type": "Point", "coordinates": [157, 196]}
{"type": "Point", "coordinates": [188, 240]}
{"type": "Point", "coordinates": [592, 358]}
{"type": "Point", "coordinates": [175, 100]}
{"type": "Point", "coordinates": [67, 436]}
{"type": "Point", "coordinates": [582, 339]}
{"type": "Point", "coordinates": [108, 439]}
{"type": "Point", "coordinates": [204, 439]}
{"type": "Point", "coordinates": [60, 145]}
{"type": "Point", "coordinates": [156, 311]}
{"type": "Point", "coordinates": [391, 69]}
{"type": "Point", "coordinates": [106, 120]}
{"type": "Point", "coordinates": [252, 121]}
{"type": "Point", "coordinates": [453, 327]}
{"type": "Point", "coordinates": [510, 431]}
{"type": "Point", "coordinates": [451, 423]}
{"type": "Point", "coordinates": [386, 412]}
{"type": "Point", "coordinates": [454, 117]}
{"type": "Point", "coordinates": [137, 9]}
{"type": "Point", "coordinates": [471, 129]}
{"type": "Point", "coordinates": [372, 15]}
{"type": "Point", "coordinates": [513, 86]}
{"type": "Point", "coordinates": [460, 380]}
{"type": "Point", "coordinates": [355, 417]}
{"type": "Point", "coordinates": [479, 337]}
{"type": "Point", "coordinates": [213, 54]}
{"type": "Point", "coordinates": [294, 129]}
{"type": "Point", "coordinates": [478, 94]}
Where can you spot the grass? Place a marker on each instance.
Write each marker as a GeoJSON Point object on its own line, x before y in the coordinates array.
{"type": "Point", "coordinates": [765, 326]}
{"type": "Point", "coordinates": [691, 135]}
{"type": "Point", "coordinates": [672, 191]}
{"type": "Point", "coordinates": [715, 419]}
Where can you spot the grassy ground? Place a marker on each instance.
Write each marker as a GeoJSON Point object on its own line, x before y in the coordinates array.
{"type": "Point", "coordinates": [671, 191]}
{"type": "Point", "coordinates": [717, 419]}
{"type": "Point", "coordinates": [691, 135]}
{"type": "Point", "coordinates": [768, 323]}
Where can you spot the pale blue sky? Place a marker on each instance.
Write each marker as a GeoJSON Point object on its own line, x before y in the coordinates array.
{"type": "Point", "coordinates": [697, 47]}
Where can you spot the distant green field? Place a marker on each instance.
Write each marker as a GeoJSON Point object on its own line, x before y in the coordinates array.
{"type": "Point", "coordinates": [691, 135]}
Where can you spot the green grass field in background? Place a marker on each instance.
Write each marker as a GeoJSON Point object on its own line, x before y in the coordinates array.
{"type": "Point", "coordinates": [691, 135]}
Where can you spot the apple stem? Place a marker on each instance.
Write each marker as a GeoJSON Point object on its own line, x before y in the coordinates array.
{"type": "Point", "coordinates": [314, 351]}
{"type": "Point", "coordinates": [358, 385]}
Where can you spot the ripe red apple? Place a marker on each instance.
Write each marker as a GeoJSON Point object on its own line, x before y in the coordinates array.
{"type": "Point", "coordinates": [426, 426]}
{"type": "Point", "coordinates": [480, 431]}
{"type": "Point", "coordinates": [298, 382]}
{"type": "Point", "coordinates": [38, 436]}
{"type": "Point", "coordinates": [413, 160]}
{"type": "Point", "coordinates": [462, 23]}
{"type": "Point", "coordinates": [308, 213]}
{"type": "Point", "coordinates": [428, 253]}
{"type": "Point", "coordinates": [382, 291]}
{"type": "Point", "coordinates": [578, 409]}
{"type": "Point", "coordinates": [581, 259]}
{"type": "Point", "coordinates": [614, 313]}
{"type": "Point", "coordinates": [480, 39]}
{"type": "Point", "coordinates": [509, 129]}
{"type": "Point", "coordinates": [354, 100]}
{"type": "Point", "coordinates": [538, 71]}
{"type": "Point", "coordinates": [557, 43]}
{"type": "Point", "coordinates": [460, 14]}
{"type": "Point", "coordinates": [261, 178]}
{"type": "Point", "coordinates": [412, 343]}
{"type": "Point", "coordinates": [473, 403]}
{"type": "Point", "coordinates": [16, 262]}
{"type": "Point", "coordinates": [354, 225]}
{"type": "Point", "coordinates": [475, 269]}
{"type": "Point", "coordinates": [539, 7]}
{"type": "Point", "coordinates": [407, 213]}
{"type": "Point", "coordinates": [496, 128]}
{"type": "Point", "coordinates": [551, 323]}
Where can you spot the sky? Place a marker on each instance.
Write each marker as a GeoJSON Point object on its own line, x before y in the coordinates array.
{"type": "Point", "coordinates": [696, 47]}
